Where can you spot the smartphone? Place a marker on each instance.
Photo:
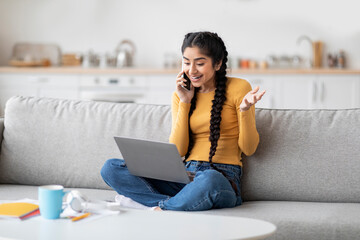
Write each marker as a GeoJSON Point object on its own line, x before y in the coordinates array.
{"type": "Point", "coordinates": [188, 82]}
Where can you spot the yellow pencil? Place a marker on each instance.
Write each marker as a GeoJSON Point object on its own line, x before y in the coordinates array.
{"type": "Point", "coordinates": [81, 217]}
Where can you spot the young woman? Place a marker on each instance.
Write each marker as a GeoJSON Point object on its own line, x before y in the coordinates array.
{"type": "Point", "coordinates": [212, 124]}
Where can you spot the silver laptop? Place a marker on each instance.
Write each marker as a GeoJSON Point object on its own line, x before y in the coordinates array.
{"type": "Point", "coordinates": [152, 159]}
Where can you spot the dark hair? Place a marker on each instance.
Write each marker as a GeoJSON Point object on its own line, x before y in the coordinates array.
{"type": "Point", "coordinates": [212, 46]}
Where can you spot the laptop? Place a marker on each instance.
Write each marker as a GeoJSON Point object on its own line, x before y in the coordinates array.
{"type": "Point", "coordinates": [153, 159]}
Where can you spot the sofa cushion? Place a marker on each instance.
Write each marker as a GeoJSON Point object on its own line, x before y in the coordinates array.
{"type": "Point", "coordinates": [305, 155]}
{"type": "Point", "coordinates": [52, 141]}
{"type": "Point", "coordinates": [302, 220]}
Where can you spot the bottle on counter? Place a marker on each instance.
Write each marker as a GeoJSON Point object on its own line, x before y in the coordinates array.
{"type": "Point", "coordinates": [272, 61]}
{"type": "Point", "coordinates": [263, 64]}
{"type": "Point", "coordinates": [341, 59]}
{"type": "Point", "coordinates": [252, 64]}
{"type": "Point", "coordinates": [86, 61]}
{"type": "Point", "coordinates": [331, 60]}
{"type": "Point", "coordinates": [244, 63]}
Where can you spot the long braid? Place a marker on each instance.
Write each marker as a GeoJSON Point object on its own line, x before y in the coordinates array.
{"type": "Point", "coordinates": [192, 108]}
{"type": "Point", "coordinates": [218, 102]}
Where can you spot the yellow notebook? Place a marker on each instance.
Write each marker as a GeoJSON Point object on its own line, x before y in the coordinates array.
{"type": "Point", "coordinates": [17, 209]}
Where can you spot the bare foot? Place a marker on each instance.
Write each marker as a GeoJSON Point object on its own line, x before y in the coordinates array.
{"type": "Point", "coordinates": [157, 209]}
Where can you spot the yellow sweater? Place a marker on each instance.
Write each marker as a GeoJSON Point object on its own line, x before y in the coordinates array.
{"type": "Point", "coordinates": [237, 129]}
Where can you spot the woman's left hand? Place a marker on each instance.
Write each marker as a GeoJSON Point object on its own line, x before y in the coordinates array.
{"type": "Point", "coordinates": [251, 98]}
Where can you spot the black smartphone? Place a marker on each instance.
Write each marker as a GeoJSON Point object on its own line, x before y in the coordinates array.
{"type": "Point", "coordinates": [188, 82]}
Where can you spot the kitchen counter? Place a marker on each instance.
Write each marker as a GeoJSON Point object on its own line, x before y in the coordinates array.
{"type": "Point", "coordinates": [159, 71]}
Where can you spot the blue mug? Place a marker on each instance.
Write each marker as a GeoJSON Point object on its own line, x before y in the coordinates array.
{"type": "Point", "coordinates": [50, 201]}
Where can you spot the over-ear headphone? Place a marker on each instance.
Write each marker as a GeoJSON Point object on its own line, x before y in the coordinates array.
{"type": "Point", "coordinates": [78, 202]}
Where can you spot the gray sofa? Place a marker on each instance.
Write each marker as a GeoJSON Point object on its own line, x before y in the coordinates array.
{"type": "Point", "coordinates": [304, 176]}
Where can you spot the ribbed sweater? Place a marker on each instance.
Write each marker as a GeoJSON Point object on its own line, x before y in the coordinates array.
{"type": "Point", "coordinates": [238, 132]}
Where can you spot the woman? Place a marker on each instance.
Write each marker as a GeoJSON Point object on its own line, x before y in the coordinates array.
{"type": "Point", "coordinates": [212, 124]}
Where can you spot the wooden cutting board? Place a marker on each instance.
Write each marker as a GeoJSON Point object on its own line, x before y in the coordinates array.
{"type": "Point", "coordinates": [18, 63]}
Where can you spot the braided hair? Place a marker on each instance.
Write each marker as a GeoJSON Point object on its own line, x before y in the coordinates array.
{"type": "Point", "coordinates": [213, 46]}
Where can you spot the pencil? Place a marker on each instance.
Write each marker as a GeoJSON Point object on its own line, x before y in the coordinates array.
{"type": "Point", "coordinates": [81, 217]}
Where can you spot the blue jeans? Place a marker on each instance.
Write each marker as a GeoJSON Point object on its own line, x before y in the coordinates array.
{"type": "Point", "coordinates": [209, 189]}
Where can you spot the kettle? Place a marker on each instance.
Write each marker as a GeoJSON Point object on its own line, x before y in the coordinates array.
{"type": "Point", "coordinates": [125, 52]}
{"type": "Point", "coordinates": [317, 50]}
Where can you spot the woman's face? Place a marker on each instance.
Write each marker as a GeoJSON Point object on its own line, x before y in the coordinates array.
{"type": "Point", "coordinates": [199, 68]}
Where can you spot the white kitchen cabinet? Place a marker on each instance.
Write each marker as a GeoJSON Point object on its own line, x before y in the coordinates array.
{"type": "Point", "coordinates": [39, 85]}
{"type": "Point", "coordinates": [13, 85]}
{"type": "Point", "coordinates": [308, 91]}
{"type": "Point", "coordinates": [296, 91]}
{"type": "Point", "coordinates": [336, 91]}
{"type": "Point", "coordinates": [318, 91]}
{"type": "Point", "coordinates": [161, 88]}
{"type": "Point", "coordinates": [56, 86]}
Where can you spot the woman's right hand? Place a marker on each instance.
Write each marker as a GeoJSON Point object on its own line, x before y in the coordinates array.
{"type": "Point", "coordinates": [184, 94]}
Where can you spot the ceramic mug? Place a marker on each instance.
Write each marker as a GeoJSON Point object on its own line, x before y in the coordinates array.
{"type": "Point", "coordinates": [51, 201]}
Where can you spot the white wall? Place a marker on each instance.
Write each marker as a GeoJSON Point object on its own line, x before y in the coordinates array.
{"type": "Point", "coordinates": [250, 28]}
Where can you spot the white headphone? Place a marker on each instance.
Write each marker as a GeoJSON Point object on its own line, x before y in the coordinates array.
{"type": "Point", "coordinates": [78, 202]}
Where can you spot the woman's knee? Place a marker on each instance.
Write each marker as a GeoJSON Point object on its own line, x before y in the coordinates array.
{"type": "Point", "coordinates": [214, 180]}
{"type": "Point", "coordinates": [110, 166]}
{"type": "Point", "coordinates": [214, 187]}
